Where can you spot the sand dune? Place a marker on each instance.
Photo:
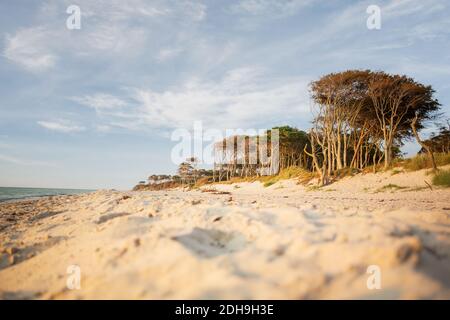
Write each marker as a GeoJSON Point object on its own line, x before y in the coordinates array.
{"type": "Point", "coordinates": [280, 242]}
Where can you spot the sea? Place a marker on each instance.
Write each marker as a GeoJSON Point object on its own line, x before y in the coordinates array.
{"type": "Point", "coordinates": [9, 193]}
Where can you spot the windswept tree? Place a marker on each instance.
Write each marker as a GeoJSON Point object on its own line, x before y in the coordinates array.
{"type": "Point", "coordinates": [187, 171]}
{"type": "Point", "coordinates": [340, 127]}
{"type": "Point", "coordinates": [292, 143]}
{"type": "Point", "coordinates": [362, 116]}
{"type": "Point", "coordinates": [397, 102]}
{"type": "Point", "coordinates": [439, 141]}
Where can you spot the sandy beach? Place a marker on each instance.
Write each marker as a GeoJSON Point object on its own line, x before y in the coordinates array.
{"type": "Point", "coordinates": [243, 241]}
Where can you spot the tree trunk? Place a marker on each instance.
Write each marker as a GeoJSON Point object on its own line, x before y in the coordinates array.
{"type": "Point", "coordinates": [387, 155]}
{"type": "Point", "coordinates": [423, 144]}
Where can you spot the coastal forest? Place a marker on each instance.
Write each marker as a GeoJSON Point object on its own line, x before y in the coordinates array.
{"type": "Point", "coordinates": [360, 121]}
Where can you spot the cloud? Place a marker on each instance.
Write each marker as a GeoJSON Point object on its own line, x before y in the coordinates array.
{"type": "Point", "coordinates": [196, 10]}
{"type": "Point", "coordinates": [61, 126]}
{"type": "Point", "coordinates": [100, 101]}
{"type": "Point", "coordinates": [109, 29]}
{"type": "Point", "coordinates": [272, 8]}
{"type": "Point", "coordinates": [167, 54]}
{"type": "Point", "coordinates": [118, 10]}
{"type": "Point", "coordinates": [398, 8]}
{"type": "Point", "coordinates": [242, 98]}
{"type": "Point", "coordinates": [27, 48]}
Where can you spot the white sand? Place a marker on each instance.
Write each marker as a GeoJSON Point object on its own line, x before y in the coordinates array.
{"type": "Point", "coordinates": [259, 243]}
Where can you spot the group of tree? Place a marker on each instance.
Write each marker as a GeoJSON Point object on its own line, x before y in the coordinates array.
{"type": "Point", "coordinates": [439, 142]}
{"type": "Point", "coordinates": [189, 172]}
{"type": "Point", "coordinates": [363, 117]}
{"type": "Point", "coordinates": [244, 155]}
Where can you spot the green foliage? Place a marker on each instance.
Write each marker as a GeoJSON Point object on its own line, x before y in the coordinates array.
{"type": "Point", "coordinates": [292, 142]}
{"type": "Point", "coordinates": [442, 178]}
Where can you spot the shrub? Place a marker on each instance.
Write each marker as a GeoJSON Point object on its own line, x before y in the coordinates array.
{"type": "Point", "coordinates": [442, 178]}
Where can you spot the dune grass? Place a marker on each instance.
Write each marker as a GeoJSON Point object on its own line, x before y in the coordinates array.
{"type": "Point", "coordinates": [422, 161]}
{"type": "Point", "coordinates": [293, 172]}
{"type": "Point", "coordinates": [396, 171]}
{"type": "Point", "coordinates": [287, 173]}
{"type": "Point", "coordinates": [269, 183]}
{"type": "Point", "coordinates": [442, 178]}
{"type": "Point", "coordinates": [390, 187]}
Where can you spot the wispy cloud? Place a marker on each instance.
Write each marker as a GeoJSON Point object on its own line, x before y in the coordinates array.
{"type": "Point", "coordinates": [108, 29]}
{"type": "Point", "coordinates": [100, 101]}
{"type": "Point", "coordinates": [27, 48]}
{"type": "Point", "coordinates": [244, 97]}
{"type": "Point", "coordinates": [271, 8]}
{"type": "Point", "coordinates": [61, 126]}
{"type": "Point", "coordinates": [399, 8]}
{"type": "Point", "coordinates": [168, 53]}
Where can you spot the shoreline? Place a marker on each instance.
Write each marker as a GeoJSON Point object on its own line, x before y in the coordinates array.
{"type": "Point", "coordinates": [38, 196]}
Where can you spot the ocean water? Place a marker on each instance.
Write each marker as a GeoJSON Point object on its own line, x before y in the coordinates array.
{"type": "Point", "coordinates": [7, 193]}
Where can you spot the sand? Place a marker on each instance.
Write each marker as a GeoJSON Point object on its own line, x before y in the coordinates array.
{"type": "Point", "coordinates": [285, 241]}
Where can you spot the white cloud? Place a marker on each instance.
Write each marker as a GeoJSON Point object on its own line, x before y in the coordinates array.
{"type": "Point", "coordinates": [100, 101]}
{"type": "Point", "coordinates": [61, 126]}
{"type": "Point", "coordinates": [272, 8]}
{"type": "Point", "coordinates": [168, 53]}
{"type": "Point", "coordinates": [196, 10]}
{"type": "Point", "coordinates": [112, 39]}
{"type": "Point", "coordinates": [124, 10]}
{"type": "Point", "coordinates": [27, 48]}
{"type": "Point", "coordinates": [398, 8]}
{"type": "Point", "coordinates": [109, 28]}
{"type": "Point", "coordinates": [243, 98]}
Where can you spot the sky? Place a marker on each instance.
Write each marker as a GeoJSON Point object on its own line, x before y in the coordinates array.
{"type": "Point", "coordinates": [95, 107]}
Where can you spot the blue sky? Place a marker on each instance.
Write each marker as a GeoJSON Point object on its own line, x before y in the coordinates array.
{"type": "Point", "coordinates": [94, 108]}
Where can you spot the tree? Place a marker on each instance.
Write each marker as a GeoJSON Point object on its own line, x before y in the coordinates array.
{"type": "Point", "coordinates": [341, 99]}
{"type": "Point", "coordinates": [365, 114]}
{"type": "Point", "coordinates": [440, 141]}
{"type": "Point", "coordinates": [423, 144]}
{"type": "Point", "coordinates": [292, 143]}
{"type": "Point", "coordinates": [396, 102]}
{"type": "Point", "coordinates": [187, 171]}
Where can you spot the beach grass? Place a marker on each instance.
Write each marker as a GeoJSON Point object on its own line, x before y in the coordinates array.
{"type": "Point", "coordinates": [390, 187]}
{"type": "Point", "coordinates": [422, 161]}
{"type": "Point", "coordinates": [442, 178]}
